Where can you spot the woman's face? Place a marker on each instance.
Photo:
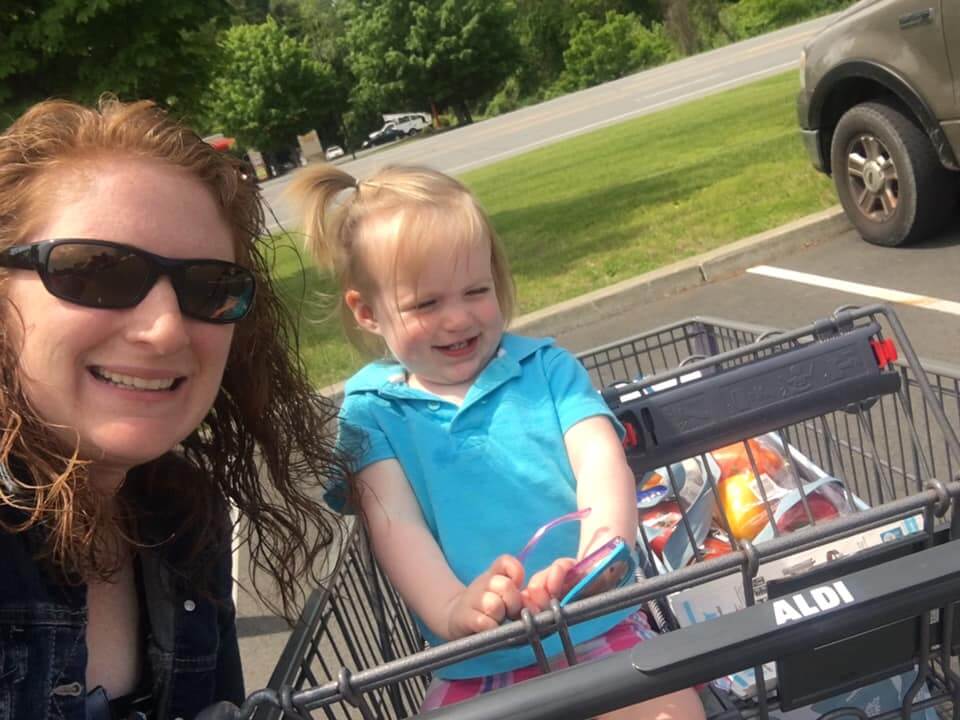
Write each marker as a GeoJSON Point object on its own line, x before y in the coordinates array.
{"type": "Point", "coordinates": [131, 383]}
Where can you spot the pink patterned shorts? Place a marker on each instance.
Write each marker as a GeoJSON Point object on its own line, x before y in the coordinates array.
{"type": "Point", "coordinates": [629, 632]}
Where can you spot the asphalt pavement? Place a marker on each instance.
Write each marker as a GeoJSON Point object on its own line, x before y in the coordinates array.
{"type": "Point", "coordinates": [926, 271]}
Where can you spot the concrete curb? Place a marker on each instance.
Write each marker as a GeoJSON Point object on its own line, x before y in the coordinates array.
{"type": "Point", "coordinates": [683, 275]}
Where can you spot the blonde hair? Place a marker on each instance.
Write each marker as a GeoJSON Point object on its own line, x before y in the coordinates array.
{"type": "Point", "coordinates": [430, 209]}
{"type": "Point", "coordinates": [266, 444]}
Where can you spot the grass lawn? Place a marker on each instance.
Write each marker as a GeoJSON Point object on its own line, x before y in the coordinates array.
{"type": "Point", "coordinates": [599, 208]}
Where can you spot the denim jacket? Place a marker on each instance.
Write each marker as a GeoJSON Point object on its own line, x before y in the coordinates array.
{"type": "Point", "coordinates": [192, 654]}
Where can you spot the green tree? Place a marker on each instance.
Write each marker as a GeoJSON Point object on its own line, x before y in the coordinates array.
{"type": "Point", "coordinates": [249, 12]}
{"type": "Point", "coordinates": [134, 48]}
{"type": "Point", "coordinates": [542, 29]}
{"type": "Point", "coordinates": [268, 87]}
{"type": "Point", "coordinates": [315, 21]}
{"type": "Point", "coordinates": [697, 25]}
{"type": "Point", "coordinates": [648, 11]}
{"type": "Point", "coordinates": [753, 17]}
{"type": "Point", "coordinates": [452, 53]}
{"type": "Point", "coordinates": [605, 50]}
{"type": "Point", "coordinates": [320, 26]}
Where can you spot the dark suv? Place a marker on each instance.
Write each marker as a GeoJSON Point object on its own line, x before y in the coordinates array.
{"type": "Point", "coordinates": [388, 133]}
{"type": "Point", "coordinates": [879, 110]}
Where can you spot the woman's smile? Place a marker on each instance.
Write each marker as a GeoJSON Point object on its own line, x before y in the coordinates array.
{"type": "Point", "coordinates": [139, 382]}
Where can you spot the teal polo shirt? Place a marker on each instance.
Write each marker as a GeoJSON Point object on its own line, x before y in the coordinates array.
{"type": "Point", "coordinates": [486, 473]}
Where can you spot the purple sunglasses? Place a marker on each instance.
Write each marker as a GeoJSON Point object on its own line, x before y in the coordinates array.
{"type": "Point", "coordinates": [610, 565]}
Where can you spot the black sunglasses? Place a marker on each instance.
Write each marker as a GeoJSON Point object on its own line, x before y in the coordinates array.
{"type": "Point", "coordinates": [109, 275]}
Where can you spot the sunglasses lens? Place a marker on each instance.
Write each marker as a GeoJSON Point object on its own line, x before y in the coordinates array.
{"type": "Point", "coordinates": [97, 275]}
{"type": "Point", "coordinates": [216, 291]}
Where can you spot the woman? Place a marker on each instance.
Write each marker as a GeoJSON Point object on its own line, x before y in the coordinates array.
{"type": "Point", "coordinates": [149, 382]}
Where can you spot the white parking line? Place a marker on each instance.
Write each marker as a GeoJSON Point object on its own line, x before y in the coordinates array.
{"type": "Point", "coordinates": [881, 293]}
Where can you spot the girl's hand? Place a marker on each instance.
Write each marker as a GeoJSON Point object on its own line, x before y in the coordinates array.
{"type": "Point", "coordinates": [486, 601]}
{"type": "Point", "coordinates": [549, 583]}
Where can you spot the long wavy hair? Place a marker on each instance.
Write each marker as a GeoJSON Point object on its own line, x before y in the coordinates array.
{"type": "Point", "coordinates": [265, 447]}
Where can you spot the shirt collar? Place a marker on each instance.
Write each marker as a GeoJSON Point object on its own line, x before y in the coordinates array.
{"type": "Point", "coordinates": [388, 378]}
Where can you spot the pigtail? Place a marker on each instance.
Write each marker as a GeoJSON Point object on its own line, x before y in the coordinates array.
{"type": "Point", "coordinates": [315, 191]}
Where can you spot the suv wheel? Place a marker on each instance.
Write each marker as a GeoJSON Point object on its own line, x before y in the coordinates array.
{"type": "Point", "coordinates": [888, 176]}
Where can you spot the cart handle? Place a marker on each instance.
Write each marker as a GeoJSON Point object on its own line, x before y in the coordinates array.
{"type": "Point", "coordinates": [909, 586]}
{"type": "Point", "coordinates": [721, 407]}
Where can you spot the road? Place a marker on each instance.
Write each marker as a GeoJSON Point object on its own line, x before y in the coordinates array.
{"type": "Point", "coordinates": [501, 137]}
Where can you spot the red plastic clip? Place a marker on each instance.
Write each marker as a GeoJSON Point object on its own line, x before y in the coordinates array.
{"type": "Point", "coordinates": [884, 351]}
{"type": "Point", "coordinates": [630, 440]}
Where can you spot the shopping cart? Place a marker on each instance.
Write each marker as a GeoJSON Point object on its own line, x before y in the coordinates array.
{"type": "Point", "coordinates": [832, 394]}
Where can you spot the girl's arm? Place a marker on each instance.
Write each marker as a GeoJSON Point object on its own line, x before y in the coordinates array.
{"type": "Point", "coordinates": [415, 564]}
{"type": "Point", "coordinates": [605, 484]}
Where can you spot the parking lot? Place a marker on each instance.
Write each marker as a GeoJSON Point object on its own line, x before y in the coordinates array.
{"type": "Point", "coordinates": [926, 271]}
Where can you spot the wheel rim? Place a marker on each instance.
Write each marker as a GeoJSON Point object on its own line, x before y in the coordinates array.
{"type": "Point", "coordinates": [872, 177]}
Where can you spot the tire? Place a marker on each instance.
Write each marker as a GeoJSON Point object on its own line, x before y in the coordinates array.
{"type": "Point", "coordinates": [888, 176]}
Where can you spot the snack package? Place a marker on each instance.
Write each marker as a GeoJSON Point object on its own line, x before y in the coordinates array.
{"type": "Point", "coordinates": [663, 494]}
{"type": "Point", "coordinates": [790, 492]}
{"type": "Point", "coordinates": [658, 524]}
{"type": "Point", "coordinates": [736, 458]}
{"type": "Point", "coordinates": [683, 481]}
{"type": "Point", "coordinates": [747, 499]}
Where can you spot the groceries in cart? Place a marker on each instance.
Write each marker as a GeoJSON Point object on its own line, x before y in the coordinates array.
{"type": "Point", "coordinates": [750, 490]}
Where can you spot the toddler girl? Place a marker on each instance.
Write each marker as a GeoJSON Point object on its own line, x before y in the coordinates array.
{"type": "Point", "coordinates": [468, 438]}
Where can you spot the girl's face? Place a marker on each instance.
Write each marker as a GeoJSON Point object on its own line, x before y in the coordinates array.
{"type": "Point", "coordinates": [129, 384]}
{"type": "Point", "coordinates": [443, 326]}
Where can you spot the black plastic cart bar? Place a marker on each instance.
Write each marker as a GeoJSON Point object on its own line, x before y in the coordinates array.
{"type": "Point", "coordinates": [909, 587]}
{"type": "Point", "coordinates": [355, 688]}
